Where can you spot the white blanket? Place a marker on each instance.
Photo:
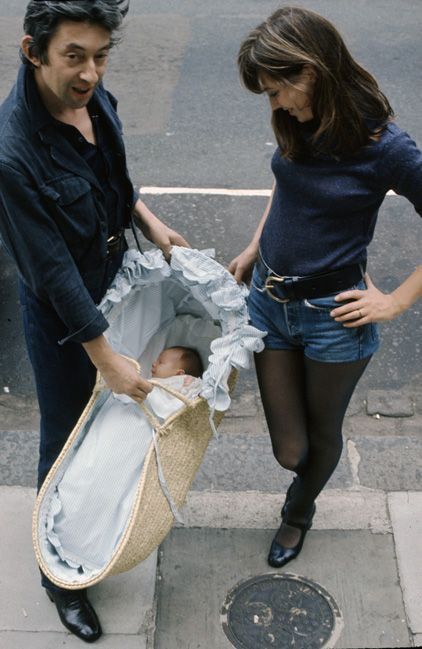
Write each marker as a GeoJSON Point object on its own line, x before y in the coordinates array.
{"type": "Point", "coordinates": [91, 503]}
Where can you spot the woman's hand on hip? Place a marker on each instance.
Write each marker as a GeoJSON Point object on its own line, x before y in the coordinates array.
{"type": "Point", "coordinates": [365, 306]}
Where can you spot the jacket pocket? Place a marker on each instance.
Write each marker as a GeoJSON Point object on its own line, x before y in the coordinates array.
{"type": "Point", "coordinates": [76, 210]}
{"type": "Point", "coordinates": [65, 190]}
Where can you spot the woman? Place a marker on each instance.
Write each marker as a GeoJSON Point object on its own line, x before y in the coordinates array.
{"type": "Point", "coordinates": [338, 154]}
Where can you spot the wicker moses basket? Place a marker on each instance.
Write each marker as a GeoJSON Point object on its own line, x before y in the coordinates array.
{"type": "Point", "coordinates": [114, 491]}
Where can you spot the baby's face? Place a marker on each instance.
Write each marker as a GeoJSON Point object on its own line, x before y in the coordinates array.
{"type": "Point", "coordinates": [167, 364]}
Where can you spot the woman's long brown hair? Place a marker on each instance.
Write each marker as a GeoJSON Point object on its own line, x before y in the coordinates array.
{"type": "Point", "coordinates": [345, 95]}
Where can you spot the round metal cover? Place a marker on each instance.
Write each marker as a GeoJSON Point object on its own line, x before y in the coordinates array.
{"type": "Point", "coordinates": [281, 610]}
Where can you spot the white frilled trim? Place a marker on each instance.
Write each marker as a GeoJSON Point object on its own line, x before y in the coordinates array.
{"type": "Point", "coordinates": [136, 270]}
{"type": "Point", "coordinates": [216, 290]}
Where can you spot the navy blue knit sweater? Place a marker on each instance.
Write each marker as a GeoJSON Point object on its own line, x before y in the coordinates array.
{"type": "Point", "coordinates": [324, 210]}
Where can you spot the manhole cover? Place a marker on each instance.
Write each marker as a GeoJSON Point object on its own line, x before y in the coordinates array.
{"type": "Point", "coordinates": [281, 610]}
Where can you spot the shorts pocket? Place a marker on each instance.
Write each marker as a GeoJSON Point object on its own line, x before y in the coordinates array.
{"type": "Point", "coordinates": [257, 281]}
{"type": "Point", "coordinates": [325, 303]}
{"type": "Point", "coordinates": [328, 302]}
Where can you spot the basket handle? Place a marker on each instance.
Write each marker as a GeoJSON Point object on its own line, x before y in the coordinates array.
{"type": "Point", "coordinates": [100, 385]}
{"type": "Point", "coordinates": [172, 391]}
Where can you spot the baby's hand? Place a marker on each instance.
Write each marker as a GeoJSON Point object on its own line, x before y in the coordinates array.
{"type": "Point", "coordinates": [187, 380]}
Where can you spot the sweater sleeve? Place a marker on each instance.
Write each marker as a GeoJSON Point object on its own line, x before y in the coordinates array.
{"type": "Point", "coordinates": [401, 169]}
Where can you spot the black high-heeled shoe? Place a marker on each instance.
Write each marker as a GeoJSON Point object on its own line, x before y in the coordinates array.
{"type": "Point", "coordinates": [280, 555]}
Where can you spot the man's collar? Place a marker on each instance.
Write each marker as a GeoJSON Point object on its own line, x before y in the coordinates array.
{"type": "Point", "coordinates": [38, 114]}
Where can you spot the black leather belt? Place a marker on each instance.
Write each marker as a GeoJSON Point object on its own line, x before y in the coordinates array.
{"type": "Point", "coordinates": [285, 288]}
{"type": "Point", "coordinates": [116, 243]}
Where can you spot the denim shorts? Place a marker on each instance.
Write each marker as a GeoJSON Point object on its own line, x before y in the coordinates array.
{"type": "Point", "coordinates": [307, 325]}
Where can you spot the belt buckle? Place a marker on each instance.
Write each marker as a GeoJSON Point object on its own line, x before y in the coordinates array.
{"type": "Point", "coordinates": [113, 242]}
{"type": "Point", "coordinates": [113, 239]}
{"type": "Point", "coordinates": [268, 286]}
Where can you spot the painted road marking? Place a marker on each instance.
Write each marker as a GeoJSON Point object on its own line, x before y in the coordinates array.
{"type": "Point", "coordinates": [214, 191]}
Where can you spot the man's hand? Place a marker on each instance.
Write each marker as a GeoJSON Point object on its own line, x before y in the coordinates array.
{"type": "Point", "coordinates": [120, 374]}
{"type": "Point", "coordinates": [164, 238]}
{"type": "Point", "coordinates": [156, 231]}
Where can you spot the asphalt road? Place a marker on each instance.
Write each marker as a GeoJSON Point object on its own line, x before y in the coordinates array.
{"type": "Point", "coordinates": [189, 123]}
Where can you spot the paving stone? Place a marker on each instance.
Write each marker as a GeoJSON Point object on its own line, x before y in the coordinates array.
{"type": "Point", "coordinates": [198, 567]}
{"type": "Point", "coordinates": [390, 463]}
{"type": "Point", "coordinates": [336, 509]}
{"type": "Point", "coordinates": [410, 426]}
{"type": "Point", "coordinates": [417, 640]}
{"type": "Point", "coordinates": [389, 403]}
{"type": "Point", "coordinates": [371, 426]}
{"type": "Point", "coordinates": [19, 640]}
{"type": "Point", "coordinates": [124, 602]}
{"type": "Point", "coordinates": [406, 519]}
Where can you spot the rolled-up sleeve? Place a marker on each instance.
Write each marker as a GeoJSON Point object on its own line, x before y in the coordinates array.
{"type": "Point", "coordinates": [401, 169]}
{"type": "Point", "coordinates": [33, 239]}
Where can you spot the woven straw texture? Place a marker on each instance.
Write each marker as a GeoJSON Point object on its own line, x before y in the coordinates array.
{"type": "Point", "coordinates": [182, 442]}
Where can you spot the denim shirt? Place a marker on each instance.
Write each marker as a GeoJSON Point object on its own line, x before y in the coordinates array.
{"type": "Point", "coordinates": [53, 213]}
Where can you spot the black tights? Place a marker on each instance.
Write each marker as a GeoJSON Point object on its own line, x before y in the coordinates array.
{"type": "Point", "coordinates": [304, 403]}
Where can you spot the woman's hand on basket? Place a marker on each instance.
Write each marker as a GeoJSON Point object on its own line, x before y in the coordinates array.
{"type": "Point", "coordinates": [241, 266]}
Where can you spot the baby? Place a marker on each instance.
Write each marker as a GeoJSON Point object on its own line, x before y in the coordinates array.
{"type": "Point", "coordinates": [179, 368]}
{"type": "Point", "coordinates": [177, 361]}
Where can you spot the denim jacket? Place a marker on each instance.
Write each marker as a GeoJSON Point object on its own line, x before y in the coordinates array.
{"type": "Point", "coordinates": [53, 220]}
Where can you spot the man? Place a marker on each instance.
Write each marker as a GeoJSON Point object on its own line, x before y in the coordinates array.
{"type": "Point", "coordinates": [65, 202]}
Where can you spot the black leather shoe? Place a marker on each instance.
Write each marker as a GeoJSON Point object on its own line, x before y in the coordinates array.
{"type": "Point", "coordinates": [76, 613]}
{"type": "Point", "coordinates": [280, 555]}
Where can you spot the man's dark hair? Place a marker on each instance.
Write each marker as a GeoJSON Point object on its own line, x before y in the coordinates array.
{"type": "Point", "coordinates": [43, 17]}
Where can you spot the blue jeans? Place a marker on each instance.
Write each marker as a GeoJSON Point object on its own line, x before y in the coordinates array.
{"type": "Point", "coordinates": [64, 378]}
{"type": "Point", "coordinates": [307, 325]}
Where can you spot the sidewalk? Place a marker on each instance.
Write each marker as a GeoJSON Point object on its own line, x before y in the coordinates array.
{"type": "Point", "coordinates": [364, 548]}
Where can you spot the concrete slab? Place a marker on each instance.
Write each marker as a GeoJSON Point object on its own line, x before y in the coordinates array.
{"type": "Point", "coordinates": [417, 640]}
{"type": "Point", "coordinates": [389, 403]}
{"type": "Point", "coordinates": [390, 463]}
{"type": "Point", "coordinates": [124, 602]}
{"type": "Point", "coordinates": [18, 640]}
{"type": "Point", "coordinates": [199, 566]}
{"type": "Point", "coordinates": [243, 462]}
{"type": "Point", "coordinates": [336, 509]}
{"type": "Point", "coordinates": [19, 457]}
{"type": "Point", "coordinates": [406, 519]}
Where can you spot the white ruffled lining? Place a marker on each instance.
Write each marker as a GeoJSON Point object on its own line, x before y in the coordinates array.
{"type": "Point", "coordinates": [216, 289]}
